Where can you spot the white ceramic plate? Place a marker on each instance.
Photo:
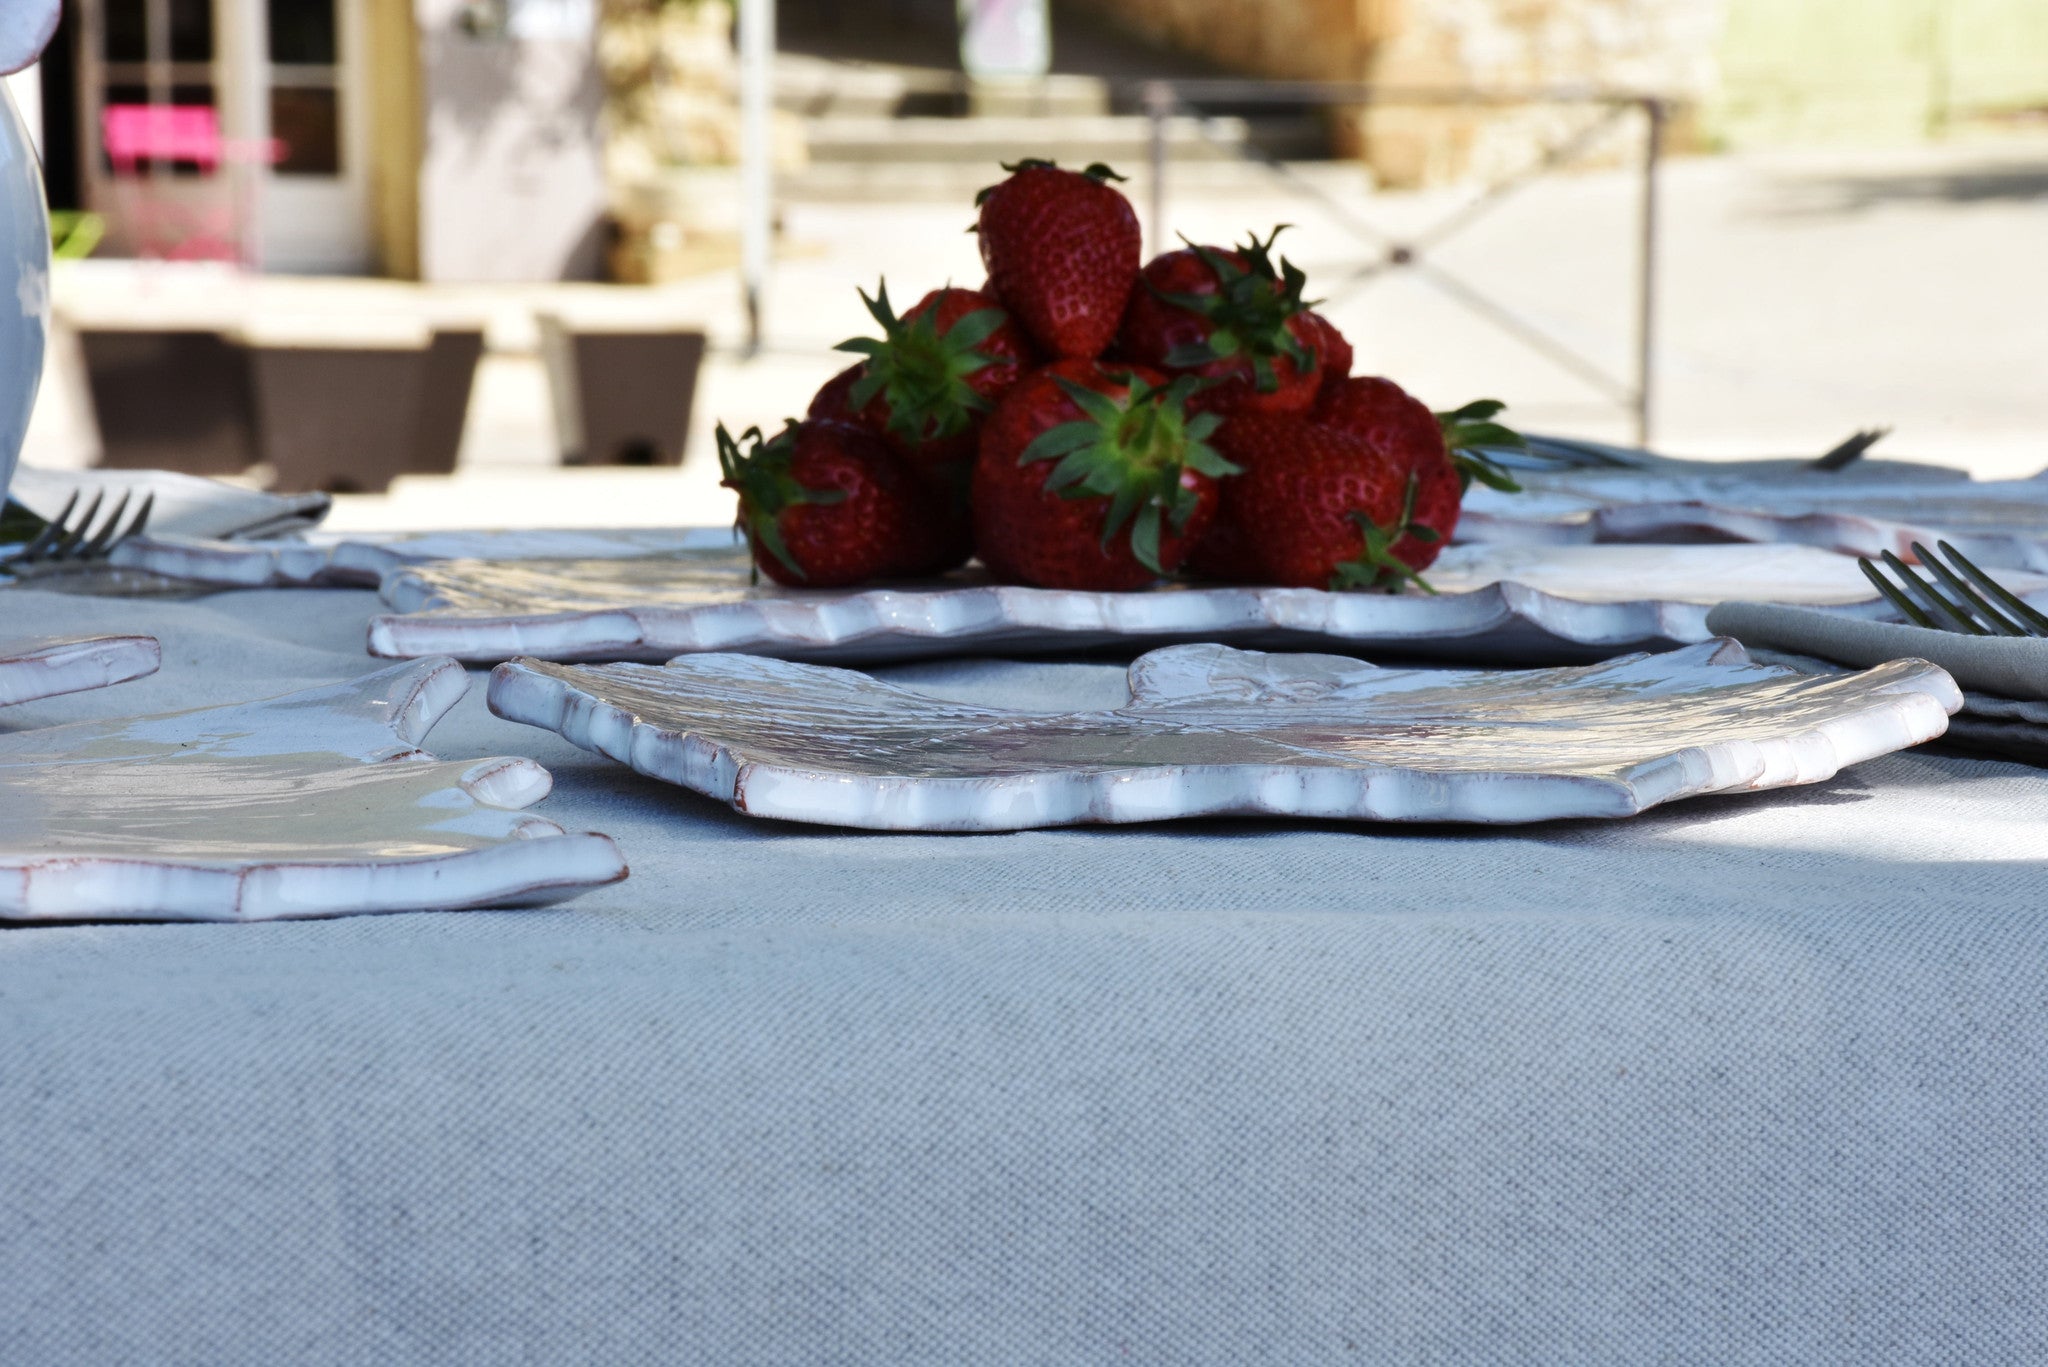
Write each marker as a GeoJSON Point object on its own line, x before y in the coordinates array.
{"type": "Point", "coordinates": [46, 666]}
{"type": "Point", "coordinates": [2001, 524]}
{"type": "Point", "coordinates": [1514, 604]}
{"type": "Point", "coordinates": [362, 559]}
{"type": "Point", "coordinates": [1212, 731]}
{"type": "Point", "coordinates": [318, 803]}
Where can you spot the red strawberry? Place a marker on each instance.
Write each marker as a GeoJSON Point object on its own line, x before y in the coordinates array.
{"type": "Point", "coordinates": [1316, 507]}
{"type": "Point", "coordinates": [828, 504]}
{"type": "Point", "coordinates": [1062, 254]}
{"type": "Point", "coordinates": [1364, 492]}
{"type": "Point", "coordinates": [1093, 477]}
{"type": "Point", "coordinates": [1334, 349]}
{"type": "Point", "coordinates": [930, 377]}
{"type": "Point", "coordinates": [1403, 432]}
{"type": "Point", "coordinates": [830, 402]}
{"type": "Point", "coordinates": [1232, 318]}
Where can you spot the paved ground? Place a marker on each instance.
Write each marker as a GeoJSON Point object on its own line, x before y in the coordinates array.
{"type": "Point", "coordinates": [1803, 296]}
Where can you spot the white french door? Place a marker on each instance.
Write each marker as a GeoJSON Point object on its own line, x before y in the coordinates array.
{"type": "Point", "coordinates": [286, 84]}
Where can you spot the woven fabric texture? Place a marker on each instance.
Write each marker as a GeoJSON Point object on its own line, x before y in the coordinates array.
{"type": "Point", "coordinates": [1744, 1080]}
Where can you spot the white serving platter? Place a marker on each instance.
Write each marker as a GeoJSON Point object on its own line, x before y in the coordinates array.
{"type": "Point", "coordinates": [318, 803]}
{"type": "Point", "coordinates": [1514, 604]}
{"type": "Point", "coordinates": [1212, 731]}
{"type": "Point", "coordinates": [46, 666]}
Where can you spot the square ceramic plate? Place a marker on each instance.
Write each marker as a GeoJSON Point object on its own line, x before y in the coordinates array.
{"type": "Point", "coordinates": [1212, 731]}
{"type": "Point", "coordinates": [1504, 604]}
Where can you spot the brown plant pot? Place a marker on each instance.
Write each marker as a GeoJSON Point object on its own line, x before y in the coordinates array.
{"type": "Point", "coordinates": [339, 412]}
{"type": "Point", "coordinates": [623, 394]}
{"type": "Point", "coordinates": [170, 399]}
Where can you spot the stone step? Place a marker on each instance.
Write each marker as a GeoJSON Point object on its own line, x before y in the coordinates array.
{"type": "Point", "coordinates": [1118, 139]}
{"type": "Point", "coordinates": [956, 183]}
{"type": "Point", "coordinates": [819, 88]}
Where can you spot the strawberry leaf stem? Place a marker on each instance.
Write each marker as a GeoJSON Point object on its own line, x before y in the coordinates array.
{"type": "Point", "coordinates": [922, 373]}
{"type": "Point", "coordinates": [762, 478]}
{"type": "Point", "coordinates": [1376, 566]}
{"type": "Point", "coordinates": [1132, 450]}
{"type": "Point", "coordinates": [1469, 433]}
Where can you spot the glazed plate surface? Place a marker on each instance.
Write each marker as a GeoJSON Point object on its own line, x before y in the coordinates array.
{"type": "Point", "coordinates": [46, 666]}
{"type": "Point", "coordinates": [319, 803]}
{"type": "Point", "coordinates": [1507, 604]}
{"type": "Point", "coordinates": [1212, 731]}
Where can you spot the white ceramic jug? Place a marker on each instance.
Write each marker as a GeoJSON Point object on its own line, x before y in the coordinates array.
{"type": "Point", "coordinates": [25, 265]}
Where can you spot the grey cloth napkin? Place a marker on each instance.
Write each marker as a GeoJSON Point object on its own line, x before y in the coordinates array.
{"type": "Point", "coordinates": [2010, 666]}
{"type": "Point", "coordinates": [186, 505]}
{"type": "Point", "coordinates": [2004, 678]}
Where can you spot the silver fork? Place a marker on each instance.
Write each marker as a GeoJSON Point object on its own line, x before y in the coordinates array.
{"type": "Point", "coordinates": [1963, 608]}
{"type": "Point", "coordinates": [68, 541]}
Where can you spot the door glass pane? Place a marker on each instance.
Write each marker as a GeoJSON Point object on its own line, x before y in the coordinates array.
{"type": "Point", "coordinates": [302, 33]}
{"type": "Point", "coordinates": [307, 120]}
{"type": "Point", "coordinates": [127, 29]}
{"type": "Point", "coordinates": [191, 30]}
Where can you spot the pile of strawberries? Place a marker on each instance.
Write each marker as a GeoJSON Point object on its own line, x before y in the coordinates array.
{"type": "Point", "coordinates": [1079, 422]}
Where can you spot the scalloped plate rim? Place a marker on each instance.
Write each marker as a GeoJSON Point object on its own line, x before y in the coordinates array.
{"type": "Point", "coordinates": [1894, 717]}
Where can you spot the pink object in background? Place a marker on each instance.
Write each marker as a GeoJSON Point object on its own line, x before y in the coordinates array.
{"type": "Point", "coordinates": [175, 227]}
{"type": "Point", "coordinates": [161, 132]}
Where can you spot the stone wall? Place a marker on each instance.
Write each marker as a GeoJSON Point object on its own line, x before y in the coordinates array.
{"type": "Point", "coordinates": [1666, 46]}
{"type": "Point", "coordinates": [1298, 40]}
{"type": "Point", "coordinates": [1743, 72]}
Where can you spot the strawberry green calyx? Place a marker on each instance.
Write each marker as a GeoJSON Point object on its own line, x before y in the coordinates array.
{"type": "Point", "coordinates": [1469, 433]}
{"type": "Point", "coordinates": [1132, 450]}
{"type": "Point", "coordinates": [1096, 171]}
{"type": "Point", "coordinates": [1376, 566]}
{"type": "Point", "coordinates": [921, 372]}
{"type": "Point", "coordinates": [1249, 313]}
{"type": "Point", "coordinates": [761, 477]}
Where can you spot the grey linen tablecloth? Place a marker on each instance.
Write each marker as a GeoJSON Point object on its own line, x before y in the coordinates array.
{"type": "Point", "coordinates": [1745, 1080]}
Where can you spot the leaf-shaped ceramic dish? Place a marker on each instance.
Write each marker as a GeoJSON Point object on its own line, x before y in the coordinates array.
{"type": "Point", "coordinates": [46, 666]}
{"type": "Point", "coordinates": [1517, 604]}
{"type": "Point", "coordinates": [318, 803]}
{"type": "Point", "coordinates": [1212, 731]}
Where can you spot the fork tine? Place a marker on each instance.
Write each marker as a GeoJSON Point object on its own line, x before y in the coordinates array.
{"type": "Point", "coordinates": [1898, 600]}
{"type": "Point", "coordinates": [1925, 592]}
{"type": "Point", "coordinates": [1990, 616]}
{"type": "Point", "coordinates": [141, 520]}
{"type": "Point", "coordinates": [1851, 450]}
{"type": "Point", "coordinates": [52, 529]}
{"type": "Point", "coordinates": [100, 540]}
{"type": "Point", "coordinates": [61, 550]}
{"type": "Point", "coordinates": [2036, 623]}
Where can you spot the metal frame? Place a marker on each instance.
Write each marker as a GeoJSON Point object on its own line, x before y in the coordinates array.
{"type": "Point", "coordinates": [1162, 100]}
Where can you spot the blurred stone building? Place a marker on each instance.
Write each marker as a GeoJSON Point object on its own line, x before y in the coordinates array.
{"type": "Point", "coordinates": [565, 139]}
{"type": "Point", "coordinates": [1743, 71]}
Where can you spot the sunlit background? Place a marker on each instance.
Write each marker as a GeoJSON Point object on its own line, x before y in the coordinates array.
{"type": "Point", "coordinates": [501, 262]}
